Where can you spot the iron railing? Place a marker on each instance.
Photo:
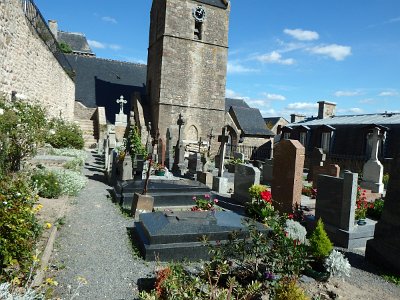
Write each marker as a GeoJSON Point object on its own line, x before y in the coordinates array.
{"type": "Point", "coordinates": [37, 21]}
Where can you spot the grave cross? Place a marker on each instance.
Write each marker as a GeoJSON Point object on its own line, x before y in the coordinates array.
{"type": "Point", "coordinates": [210, 137]}
{"type": "Point", "coordinates": [375, 138]}
{"type": "Point", "coordinates": [180, 123]}
{"type": "Point", "coordinates": [200, 142]}
{"type": "Point", "coordinates": [121, 101]}
{"type": "Point", "coordinates": [223, 139]}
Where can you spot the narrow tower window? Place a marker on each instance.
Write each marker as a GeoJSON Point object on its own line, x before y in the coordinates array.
{"type": "Point", "coordinates": [198, 30]}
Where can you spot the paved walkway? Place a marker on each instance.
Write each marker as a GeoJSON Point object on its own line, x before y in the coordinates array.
{"type": "Point", "coordinates": [94, 244]}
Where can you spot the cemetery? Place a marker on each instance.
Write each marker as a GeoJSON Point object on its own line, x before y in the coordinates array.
{"type": "Point", "coordinates": [163, 188]}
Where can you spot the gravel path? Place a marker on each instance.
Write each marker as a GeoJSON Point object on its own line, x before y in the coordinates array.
{"type": "Point", "coordinates": [94, 244]}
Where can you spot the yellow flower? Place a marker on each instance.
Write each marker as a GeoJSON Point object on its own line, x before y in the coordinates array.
{"type": "Point", "coordinates": [51, 281]}
{"type": "Point", "coordinates": [82, 280]}
{"type": "Point", "coordinates": [47, 225]}
{"type": "Point", "coordinates": [35, 258]}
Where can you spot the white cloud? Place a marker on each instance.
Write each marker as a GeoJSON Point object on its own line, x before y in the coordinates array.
{"type": "Point", "coordinates": [96, 44]}
{"type": "Point", "coordinates": [302, 106]}
{"type": "Point", "coordinates": [109, 19]}
{"type": "Point", "coordinates": [335, 51]}
{"type": "Point", "coordinates": [275, 97]}
{"type": "Point", "coordinates": [302, 35]}
{"type": "Point", "coordinates": [347, 93]}
{"type": "Point", "coordinates": [394, 20]}
{"type": "Point", "coordinates": [232, 94]}
{"type": "Point", "coordinates": [236, 68]}
{"type": "Point", "coordinates": [114, 47]}
{"type": "Point", "coordinates": [353, 110]}
{"type": "Point", "coordinates": [388, 94]}
{"type": "Point", "coordinates": [275, 58]}
{"type": "Point", "coordinates": [367, 101]}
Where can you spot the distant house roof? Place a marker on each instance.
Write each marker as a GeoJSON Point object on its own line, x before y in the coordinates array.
{"type": "Point", "coordinates": [235, 102]}
{"type": "Point", "coordinates": [77, 41]}
{"type": "Point", "coordinates": [250, 121]}
{"type": "Point", "coordinates": [274, 120]}
{"type": "Point", "coordinates": [366, 119]}
{"type": "Point", "coordinates": [217, 3]}
{"type": "Point", "coordinates": [99, 82]}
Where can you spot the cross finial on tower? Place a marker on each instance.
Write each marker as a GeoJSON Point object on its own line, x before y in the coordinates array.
{"type": "Point", "coordinates": [121, 101]}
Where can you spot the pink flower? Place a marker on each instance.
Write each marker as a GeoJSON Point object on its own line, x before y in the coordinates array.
{"type": "Point", "coordinates": [216, 201]}
{"type": "Point", "coordinates": [207, 196]}
{"type": "Point", "coordinates": [194, 198]}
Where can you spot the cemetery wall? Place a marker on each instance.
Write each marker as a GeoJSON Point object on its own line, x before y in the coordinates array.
{"type": "Point", "coordinates": [28, 67]}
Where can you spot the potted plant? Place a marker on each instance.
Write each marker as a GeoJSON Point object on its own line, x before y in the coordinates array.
{"type": "Point", "coordinates": [159, 170]}
{"type": "Point", "coordinates": [361, 207]}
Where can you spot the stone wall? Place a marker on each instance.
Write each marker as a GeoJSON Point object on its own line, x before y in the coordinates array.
{"type": "Point", "coordinates": [28, 67]}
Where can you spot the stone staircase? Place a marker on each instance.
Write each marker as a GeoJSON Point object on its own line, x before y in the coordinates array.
{"type": "Point", "coordinates": [89, 132]}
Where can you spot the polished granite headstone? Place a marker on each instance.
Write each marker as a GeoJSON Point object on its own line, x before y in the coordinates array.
{"type": "Point", "coordinates": [175, 236]}
{"type": "Point", "coordinates": [166, 193]}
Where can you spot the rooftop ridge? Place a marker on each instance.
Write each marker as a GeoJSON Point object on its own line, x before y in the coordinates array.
{"type": "Point", "coordinates": [111, 60]}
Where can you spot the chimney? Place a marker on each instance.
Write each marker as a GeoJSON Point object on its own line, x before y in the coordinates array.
{"type": "Point", "coordinates": [53, 25]}
{"type": "Point", "coordinates": [294, 118]}
{"type": "Point", "coordinates": [326, 109]}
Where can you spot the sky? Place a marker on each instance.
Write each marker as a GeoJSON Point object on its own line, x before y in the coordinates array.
{"type": "Point", "coordinates": [284, 55]}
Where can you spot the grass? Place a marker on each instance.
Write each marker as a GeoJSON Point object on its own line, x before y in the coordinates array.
{"type": "Point", "coordinates": [392, 278]}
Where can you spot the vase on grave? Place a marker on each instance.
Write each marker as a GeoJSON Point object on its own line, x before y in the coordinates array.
{"type": "Point", "coordinates": [160, 172]}
{"type": "Point", "coordinates": [361, 222]}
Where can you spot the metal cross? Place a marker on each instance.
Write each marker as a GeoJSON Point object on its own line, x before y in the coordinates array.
{"type": "Point", "coordinates": [121, 101]}
{"type": "Point", "coordinates": [180, 123]}
{"type": "Point", "coordinates": [210, 137]}
{"type": "Point", "coordinates": [200, 142]}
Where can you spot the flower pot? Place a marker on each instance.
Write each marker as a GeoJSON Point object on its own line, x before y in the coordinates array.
{"type": "Point", "coordinates": [160, 172]}
{"type": "Point", "coordinates": [361, 222]}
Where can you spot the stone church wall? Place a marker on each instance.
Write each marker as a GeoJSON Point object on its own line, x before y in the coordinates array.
{"type": "Point", "coordinates": [28, 67]}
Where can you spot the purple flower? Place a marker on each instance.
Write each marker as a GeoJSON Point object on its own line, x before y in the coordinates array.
{"type": "Point", "coordinates": [269, 276]}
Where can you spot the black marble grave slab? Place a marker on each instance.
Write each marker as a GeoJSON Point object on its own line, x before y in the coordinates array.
{"type": "Point", "coordinates": [176, 236]}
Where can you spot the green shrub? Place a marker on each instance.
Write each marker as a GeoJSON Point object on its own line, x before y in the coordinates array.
{"type": "Point", "coordinates": [71, 182]}
{"type": "Point", "coordinates": [47, 182]}
{"type": "Point", "coordinates": [320, 244]}
{"type": "Point", "coordinates": [135, 142]}
{"type": "Point", "coordinates": [80, 155]}
{"type": "Point", "coordinates": [65, 48]}
{"type": "Point", "coordinates": [375, 209]}
{"type": "Point", "coordinates": [22, 130]}
{"type": "Point", "coordinates": [74, 165]}
{"type": "Point", "coordinates": [63, 134]}
{"type": "Point", "coordinates": [255, 191]}
{"type": "Point", "coordinates": [19, 228]}
{"type": "Point", "coordinates": [385, 180]}
{"type": "Point", "coordinates": [289, 290]}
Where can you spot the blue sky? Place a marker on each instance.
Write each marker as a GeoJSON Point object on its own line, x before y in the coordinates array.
{"type": "Point", "coordinates": [284, 55]}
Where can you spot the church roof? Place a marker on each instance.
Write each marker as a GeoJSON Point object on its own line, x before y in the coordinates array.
{"type": "Point", "coordinates": [99, 82]}
{"type": "Point", "coordinates": [217, 3]}
{"type": "Point", "coordinates": [235, 102]}
{"type": "Point", "coordinates": [250, 121]}
{"type": "Point", "coordinates": [77, 42]}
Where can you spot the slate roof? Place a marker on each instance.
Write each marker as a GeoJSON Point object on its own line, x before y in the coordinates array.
{"type": "Point", "coordinates": [99, 82]}
{"type": "Point", "coordinates": [365, 119]}
{"type": "Point", "coordinates": [250, 121]}
{"type": "Point", "coordinates": [235, 102]}
{"type": "Point", "coordinates": [77, 41]}
{"type": "Point", "coordinates": [217, 3]}
{"type": "Point", "coordinates": [273, 120]}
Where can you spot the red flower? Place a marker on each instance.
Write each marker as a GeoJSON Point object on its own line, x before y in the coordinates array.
{"type": "Point", "coordinates": [266, 196]}
{"type": "Point", "coordinates": [291, 216]}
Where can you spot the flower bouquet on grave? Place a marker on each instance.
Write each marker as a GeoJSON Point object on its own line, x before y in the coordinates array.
{"type": "Point", "coordinates": [260, 208]}
{"type": "Point", "coordinates": [361, 207]}
{"type": "Point", "coordinates": [159, 169]}
{"type": "Point", "coordinates": [204, 204]}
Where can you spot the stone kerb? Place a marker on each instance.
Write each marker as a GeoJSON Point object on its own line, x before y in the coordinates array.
{"type": "Point", "coordinates": [384, 249]}
{"type": "Point", "coordinates": [245, 177]}
{"type": "Point", "coordinates": [287, 180]}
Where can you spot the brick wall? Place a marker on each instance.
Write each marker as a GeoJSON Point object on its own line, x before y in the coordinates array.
{"type": "Point", "coordinates": [28, 67]}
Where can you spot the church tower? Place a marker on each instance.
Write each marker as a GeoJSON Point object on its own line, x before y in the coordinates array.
{"type": "Point", "coordinates": [186, 68]}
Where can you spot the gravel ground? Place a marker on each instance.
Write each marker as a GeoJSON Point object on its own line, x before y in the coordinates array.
{"type": "Point", "coordinates": [94, 244]}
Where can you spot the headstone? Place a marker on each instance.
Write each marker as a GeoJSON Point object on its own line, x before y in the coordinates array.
{"type": "Point", "coordinates": [161, 152]}
{"type": "Point", "coordinates": [141, 204]}
{"type": "Point", "coordinates": [238, 156]}
{"type": "Point", "coordinates": [287, 180]}
{"type": "Point", "coordinates": [220, 185]}
{"type": "Point", "coordinates": [169, 151]}
{"type": "Point", "coordinates": [245, 177]}
{"type": "Point", "coordinates": [384, 249]}
{"type": "Point", "coordinates": [373, 169]}
{"type": "Point", "coordinates": [121, 121]}
{"type": "Point", "coordinates": [330, 170]}
{"type": "Point", "coordinates": [223, 139]}
{"type": "Point", "coordinates": [210, 138]}
{"type": "Point", "coordinates": [176, 236]}
{"type": "Point", "coordinates": [205, 178]}
{"type": "Point", "coordinates": [127, 170]}
{"type": "Point", "coordinates": [318, 158]}
{"type": "Point", "coordinates": [179, 167]}
{"type": "Point", "coordinates": [267, 171]}
{"type": "Point", "coordinates": [335, 205]}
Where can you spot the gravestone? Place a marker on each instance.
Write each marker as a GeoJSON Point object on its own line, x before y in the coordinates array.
{"type": "Point", "coordinates": [127, 170]}
{"type": "Point", "coordinates": [330, 170]}
{"type": "Point", "coordinates": [373, 169]}
{"type": "Point", "coordinates": [267, 171]}
{"type": "Point", "coordinates": [287, 180]}
{"type": "Point", "coordinates": [179, 168]}
{"type": "Point", "coordinates": [176, 236]}
{"type": "Point", "coordinates": [318, 158]}
{"type": "Point", "coordinates": [141, 204]}
{"type": "Point", "coordinates": [384, 248]}
{"type": "Point", "coordinates": [335, 205]}
{"type": "Point", "coordinates": [220, 183]}
{"type": "Point", "coordinates": [169, 151]}
{"type": "Point", "coordinates": [210, 136]}
{"type": "Point", "coordinates": [121, 121]}
{"type": "Point", "coordinates": [238, 156]}
{"type": "Point", "coordinates": [205, 178]}
{"type": "Point", "coordinates": [161, 151]}
{"type": "Point", "coordinates": [245, 177]}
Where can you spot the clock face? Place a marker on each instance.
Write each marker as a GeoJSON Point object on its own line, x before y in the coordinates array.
{"type": "Point", "coordinates": [199, 14]}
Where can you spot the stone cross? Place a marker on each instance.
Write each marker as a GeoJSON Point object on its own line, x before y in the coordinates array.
{"type": "Point", "coordinates": [200, 142]}
{"type": "Point", "coordinates": [375, 138]}
{"type": "Point", "coordinates": [121, 101]}
{"type": "Point", "coordinates": [210, 137]}
{"type": "Point", "coordinates": [223, 139]}
{"type": "Point", "coordinates": [169, 149]}
{"type": "Point", "coordinates": [180, 123]}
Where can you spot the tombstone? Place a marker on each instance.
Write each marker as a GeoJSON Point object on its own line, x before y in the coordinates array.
{"type": "Point", "coordinates": [121, 121]}
{"type": "Point", "coordinates": [169, 151]}
{"type": "Point", "coordinates": [335, 205]}
{"type": "Point", "coordinates": [267, 171]}
{"type": "Point", "coordinates": [205, 178]}
{"type": "Point", "coordinates": [287, 180]}
{"type": "Point", "coordinates": [330, 170]}
{"type": "Point", "coordinates": [220, 183]}
{"type": "Point", "coordinates": [175, 236]}
{"type": "Point", "coordinates": [126, 170]}
{"type": "Point", "coordinates": [179, 167]}
{"type": "Point", "coordinates": [245, 177]}
{"type": "Point", "coordinates": [161, 152]}
{"type": "Point", "coordinates": [210, 138]}
{"type": "Point", "coordinates": [238, 156]}
{"type": "Point", "coordinates": [384, 248]}
{"type": "Point", "coordinates": [141, 204]}
{"type": "Point", "coordinates": [373, 169]}
{"type": "Point", "coordinates": [318, 158]}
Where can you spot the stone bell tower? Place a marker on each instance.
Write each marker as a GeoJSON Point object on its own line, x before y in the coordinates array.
{"type": "Point", "coordinates": [186, 68]}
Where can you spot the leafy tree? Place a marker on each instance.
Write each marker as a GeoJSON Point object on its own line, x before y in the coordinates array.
{"type": "Point", "coordinates": [321, 245]}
